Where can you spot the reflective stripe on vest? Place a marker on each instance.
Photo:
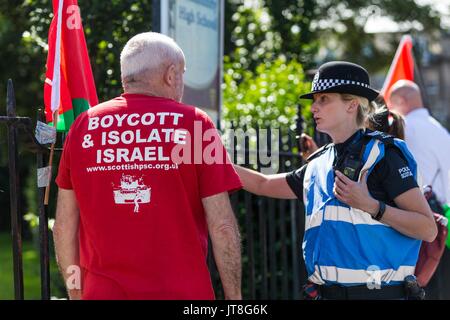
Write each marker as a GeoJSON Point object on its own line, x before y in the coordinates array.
{"type": "Point", "coordinates": [344, 245]}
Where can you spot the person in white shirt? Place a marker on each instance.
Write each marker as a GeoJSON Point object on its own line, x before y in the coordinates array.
{"type": "Point", "coordinates": [426, 138]}
{"type": "Point", "coordinates": [429, 143]}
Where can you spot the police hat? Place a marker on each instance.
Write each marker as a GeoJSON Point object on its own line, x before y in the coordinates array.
{"type": "Point", "coordinates": [342, 77]}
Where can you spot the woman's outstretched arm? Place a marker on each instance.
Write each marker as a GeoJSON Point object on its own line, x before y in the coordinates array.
{"type": "Point", "coordinates": [273, 185]}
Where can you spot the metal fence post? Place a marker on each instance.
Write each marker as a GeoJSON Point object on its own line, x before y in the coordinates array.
{"type": "Point", "coordinates": [44, 256]}
{"type": "Point", "coordinates": [16, 216]}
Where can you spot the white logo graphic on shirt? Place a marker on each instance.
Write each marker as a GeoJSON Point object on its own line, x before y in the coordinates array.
{"type": "Point", "coordinates": [405, 172]}
{"type": "Point", "coordinates": [132, 190]}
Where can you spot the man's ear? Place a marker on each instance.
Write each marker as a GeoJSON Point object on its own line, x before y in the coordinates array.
{"type": "Point", "coordinates": [169, 75]}
{"type": "Point", "coordinates": [403, 101]}
{"type": "Point", "coordinates": [397, 99]}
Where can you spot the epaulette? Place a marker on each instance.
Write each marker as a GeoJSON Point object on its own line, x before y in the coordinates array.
{"type": "Point", "coordinates": [319, 152]}
{"type": "Point", "coordinates": [387, 139]}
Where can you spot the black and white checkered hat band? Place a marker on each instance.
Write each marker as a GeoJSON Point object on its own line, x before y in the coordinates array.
{"type": "Point", "coordinates": [324, 84]}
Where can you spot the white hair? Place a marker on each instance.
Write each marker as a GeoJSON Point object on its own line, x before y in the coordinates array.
{"type": "Point", "coordinates": [148, 51]}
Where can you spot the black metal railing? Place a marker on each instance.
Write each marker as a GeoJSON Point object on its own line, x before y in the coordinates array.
{"type": "Point", "coordinates": [14, 123]}
{"type": "Point", "coordinates": [271, 229]}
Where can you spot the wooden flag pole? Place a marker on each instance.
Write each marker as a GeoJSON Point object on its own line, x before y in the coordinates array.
{"type": "Point", "coordinates": [50, 161]}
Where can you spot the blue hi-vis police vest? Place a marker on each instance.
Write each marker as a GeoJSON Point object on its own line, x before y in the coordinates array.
{"type": "Point", "coordinates": [344, 245]}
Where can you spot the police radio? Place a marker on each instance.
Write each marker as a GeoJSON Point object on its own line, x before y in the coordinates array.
{"type": "Point", "coordinates": [351, 162]}
{"type": "Point", "coordinates": [351, 167]}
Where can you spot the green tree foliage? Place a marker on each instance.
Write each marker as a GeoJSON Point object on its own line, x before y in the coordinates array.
{"type": "Point", "coordinates": [261, 31]}
{"type": "Point", "coordinates": [299, 28]}
{"type": "Point", "coordinates": [24, 30]}
{"type": "Point", "coordinates": [253, 38]}
{"type": "Point", "coordinates": [256, 31]}
{"type": "Point", "coordinates": [261, 85]}
{"type": "Point", "coordinates": [21, 60]}
{"type": "Point", "coordinates": [344, 37]}
{"type": "Point", "coordinates": [23, 38]}
{"type": "Point", "coordinates": [293, 19]}
{"type": "Point", "coordinates": [266, 97]}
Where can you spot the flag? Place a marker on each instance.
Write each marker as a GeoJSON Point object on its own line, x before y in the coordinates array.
{"type": "Point", "coordinates": [402, 67]}
{"type": "Point", "coordinates": [69, 86]}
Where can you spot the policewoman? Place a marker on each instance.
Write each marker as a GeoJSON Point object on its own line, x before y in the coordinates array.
{"type": "Point", "coordinates": [365, 214]}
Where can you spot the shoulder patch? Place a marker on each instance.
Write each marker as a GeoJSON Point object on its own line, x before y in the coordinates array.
{"type": "Point", "coordinates": [405, 172]}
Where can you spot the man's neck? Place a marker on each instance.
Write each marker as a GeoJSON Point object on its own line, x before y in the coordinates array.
{"type": "Point", "coordinates": [412, 109]}
{"type": "Point", "coordinates": [147, 92]}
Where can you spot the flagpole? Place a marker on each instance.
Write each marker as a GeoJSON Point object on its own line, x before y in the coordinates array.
{"type": "Point", "coordinates": [420, 81]}
{"type": "Point", "coordinates": [50, 161]}
{"type": "Point", "coordinates": [56, 91]}
{"type": "Point", "coordinates": [59, 90]}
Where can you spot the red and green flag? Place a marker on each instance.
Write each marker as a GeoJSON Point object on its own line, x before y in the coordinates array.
{"type": "Point", "coordinates": [402, 67]}
{"type": "Point", "coordinates": [69, 87]}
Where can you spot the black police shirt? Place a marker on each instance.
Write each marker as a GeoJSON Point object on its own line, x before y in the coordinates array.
{"type": "Point", "coordinates": [385, 182]}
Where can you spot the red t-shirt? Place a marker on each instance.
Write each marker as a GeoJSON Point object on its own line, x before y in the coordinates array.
{"type": "Point", "coordinates": [139, 167]}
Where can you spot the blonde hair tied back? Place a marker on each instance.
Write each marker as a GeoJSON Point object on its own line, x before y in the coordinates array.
{"type": "Point", "coordinates": [366, 109]}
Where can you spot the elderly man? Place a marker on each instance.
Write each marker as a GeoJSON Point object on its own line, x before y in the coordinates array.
{"type": "Point", "coordinates": [139, 192]}
{"type": "Point", "coordinates": [430, 144]}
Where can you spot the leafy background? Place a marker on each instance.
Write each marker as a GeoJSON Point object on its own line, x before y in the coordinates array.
{"type": "Point", "coordinates": [271, 49]}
